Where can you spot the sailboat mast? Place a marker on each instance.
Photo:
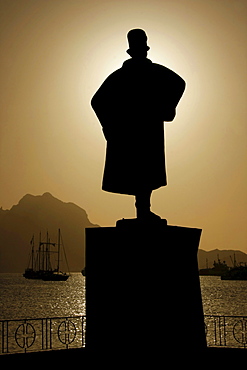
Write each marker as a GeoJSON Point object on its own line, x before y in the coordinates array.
{"type": "Point", "coordinates": [32, 252]}
{"type": "Point", "coordinates": [39, 252]}
{"type": "Point", "coordinates": [47, 252]}
{"type": "Point", "coordinates": [58, 251]}
{"type": "Point", "coordinates": [48, 256]}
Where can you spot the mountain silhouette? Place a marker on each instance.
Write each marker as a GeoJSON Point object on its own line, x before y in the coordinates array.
{"type": "Point", "coordinates": [42, 213]}
{"type": "Point", "coordinates": [227, 255]}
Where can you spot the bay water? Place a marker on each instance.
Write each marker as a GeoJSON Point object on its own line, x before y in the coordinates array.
{"type": "Point", "coordinates": [22, 298]}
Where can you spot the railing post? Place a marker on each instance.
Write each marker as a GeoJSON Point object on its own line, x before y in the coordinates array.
{"type": "Point", "coordinates": [214, 329]}
{"type": "Point", "coordinates": [46, 333]}
{"type": "Point", "coordinates": [224, 329]}
{"type": "Point", "coordinates": [220, 330]}
{"type": "Point", "coordinates": [2, 336]}
{"type": "Point", "coordinates": [82, 331]}
{"type": "Point", "coordinates": [7, 336]}
{"type": "Point", "coordinates": [42, 333]}
{"type": "Point", "coordinates": [245, 331]}
{"type": "Point", "coordinates": [50, 332]}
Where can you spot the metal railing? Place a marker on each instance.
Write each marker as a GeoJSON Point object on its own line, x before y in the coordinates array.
{"type": "Point", "coordinates": [226, 331]}
{"type": "Point", "coordinates": [43, 334]}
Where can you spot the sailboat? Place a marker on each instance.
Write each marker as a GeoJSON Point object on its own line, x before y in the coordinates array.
{"type": "Point", "coordinates": [40, 261]}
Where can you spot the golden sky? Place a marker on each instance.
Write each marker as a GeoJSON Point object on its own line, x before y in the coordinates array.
{"type": "Point", "coordinates": [55, 54]}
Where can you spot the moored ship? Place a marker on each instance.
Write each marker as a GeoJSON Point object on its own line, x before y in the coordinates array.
{"type": "Point", "coordinates": [219, 268]}
{"type": "Point", "coordinates": [236, 273]}
{"type": "Point", "coordinates": [40, 264]}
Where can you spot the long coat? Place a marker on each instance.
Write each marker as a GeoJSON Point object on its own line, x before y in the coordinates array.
{"type": "Point", "coordinates": [132, 105]}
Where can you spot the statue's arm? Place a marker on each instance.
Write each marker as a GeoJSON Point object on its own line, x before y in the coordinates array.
{"type": "Point", "coordinates": [103, 104]}
{"type": "Point", "coordinates": [177, 90]}
{"type": "Point", "coordinates": [99, 104]}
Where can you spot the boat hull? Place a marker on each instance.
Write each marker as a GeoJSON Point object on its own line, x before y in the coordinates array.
{"type": "Point", "coordinates": [236, 273]}
{"type": "Point", "coordinates": [31, 274]}
{"type": "Point", "coordinates": [55, 277]}
{"type": "Point", "coordinates": [44, 275]}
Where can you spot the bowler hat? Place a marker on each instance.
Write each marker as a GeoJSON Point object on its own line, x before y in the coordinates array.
{"type": "Point", "coordinates": [137, 39]}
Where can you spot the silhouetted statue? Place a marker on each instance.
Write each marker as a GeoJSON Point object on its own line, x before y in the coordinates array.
{"type": "Point", "coordinates": [132, 105]}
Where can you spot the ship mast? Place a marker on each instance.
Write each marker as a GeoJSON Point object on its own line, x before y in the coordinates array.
{"type": "Point", "coordinates": [32, 252]}
{"type": "Point", "coordinates": [58, 251]}
{"type": "Point", "coordinates": [39, 253]}
{"type": "Point", "coordinates": [47, 250]}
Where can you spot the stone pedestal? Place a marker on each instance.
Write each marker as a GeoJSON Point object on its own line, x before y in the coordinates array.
{"type": "Point", "coordinates": [142, 290]}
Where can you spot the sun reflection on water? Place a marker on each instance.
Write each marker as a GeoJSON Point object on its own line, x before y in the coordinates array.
{"type": "Point", "coordinates": [22, 298]}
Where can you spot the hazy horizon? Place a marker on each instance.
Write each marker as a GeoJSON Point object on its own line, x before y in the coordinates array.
{"type": "Point", "coordinates": [54, 56]}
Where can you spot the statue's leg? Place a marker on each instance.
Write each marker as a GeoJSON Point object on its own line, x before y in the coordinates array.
{"type": "Point", "coordinates": [143, 204]}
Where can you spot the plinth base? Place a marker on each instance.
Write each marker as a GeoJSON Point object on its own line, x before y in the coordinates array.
{"type": "Point", "coordinates": [142, 290]}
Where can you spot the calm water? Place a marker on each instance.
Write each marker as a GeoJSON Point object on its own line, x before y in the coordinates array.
{"type": "Point", "coordinates": [222, 297]}
{"type": "Point", "coordinates": [21, 298]}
